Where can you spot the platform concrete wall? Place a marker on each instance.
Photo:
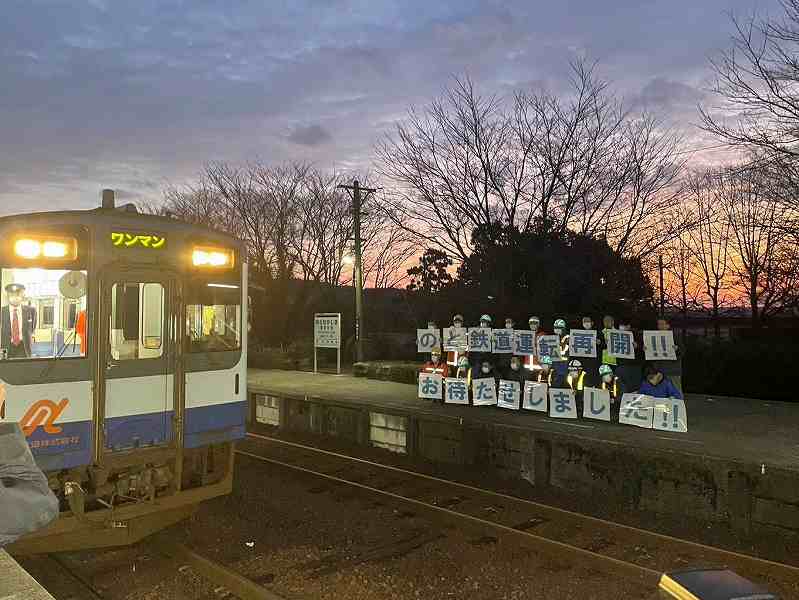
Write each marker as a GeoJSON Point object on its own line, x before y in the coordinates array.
{"type": "Point", "coordinates": [707, 489]}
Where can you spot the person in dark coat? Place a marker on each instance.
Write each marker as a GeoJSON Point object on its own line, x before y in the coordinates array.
{"type": "Point", "coordinates": [17, 323]}
{"type": "Point", "coordinates": [657, 385]}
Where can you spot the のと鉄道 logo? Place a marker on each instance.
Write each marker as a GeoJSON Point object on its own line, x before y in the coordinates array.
{"type": "Point", "coordinates": [43, 414]}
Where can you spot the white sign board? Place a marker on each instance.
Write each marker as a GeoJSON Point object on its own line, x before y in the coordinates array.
{"type": "Point", "coordinates": [327, 334]}
{"type": "Point", "coordinates": [479, 339]}
{"type": "Point", "coordinates": [524, 342]}
{"type": "Point", "coordinates": [535, 396]}
{"type": "Point", "coordinates": [620, 344]}
{"type": "Point", "coordinates": [484, 391]}
{"type": "Point", "coordinates": [596, 404]}
{"type": "Point", "coordinates": [456, 391]}
{"type": "Point", "coordinates": [509, 394]}
{"type": "Point", "coordinates": [427, 340]}
{"type": "Point", "coordinates": [327, 330]}
{"type": "Point", "coordinates": [670, 415]}
{"type": "Point", "coordinates": [548, 345]}
{"type": "Point", "coordinates": [455, 339]}
{"type": "Point", "coordinates": [636, 409]}
{"type": "Point", "coordinates": [431, 386]}
{"type": "Point", "coordinates": [562, 404]}
{"type": "Point", "coordinates": [503, 341]}
{"type": "Point", "coordinates": [582, 343]}
{"type": "Point", "coordinates": [659, 345]}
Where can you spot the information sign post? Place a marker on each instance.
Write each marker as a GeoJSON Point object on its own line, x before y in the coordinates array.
{"type": "Point", "coordinates": [327, 334]}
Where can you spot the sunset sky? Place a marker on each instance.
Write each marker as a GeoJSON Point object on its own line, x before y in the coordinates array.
{"type": "Point", "coordinates": [134, 95]}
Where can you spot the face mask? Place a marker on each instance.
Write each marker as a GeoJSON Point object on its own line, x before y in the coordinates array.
{"type": "Point", "coordinates": [624, 327]}
{"type": "Point", "coordinates": [573, 374]}
{"type": "Point", "coordinates": [486, 369]}
{"type": "Point", "coordinates": [587, 324]}
{"type": "Point", "coordinates": [484, 324]}
{"type": "Point", "coordinates": [457, 324]}
{"type": "Point", "coordinates": [436, 359]}
{"type": "Point", "coordinates": [534, 325]}
{"type": "Point", "coordinates": [558, 331]}
{"type": "Point", "coordinates": [514, 366]}
{"type": "Point", "coordinates": [607, 378]}
{"type": "Point", "coordinates": [508, 325]}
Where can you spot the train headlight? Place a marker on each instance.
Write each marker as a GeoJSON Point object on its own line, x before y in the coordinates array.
{"type": "Point", "coordinates": [217, 258]}
{"type": "Point", "coordinates": [32, 248]}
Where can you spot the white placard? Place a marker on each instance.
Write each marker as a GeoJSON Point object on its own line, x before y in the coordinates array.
{"type": "Point", "coordinates": [509, 394]}
{"type": "Point", "coordinates": [502, 341]}
{"type": "Point", "coordinates": [636, 409]}
{"type": "Point", "coordinates": [659, 345]}
{"type": "Point", "coordinates": [430, 386]}
{"type": "Point", "coordinates": [484, 392]}
{"type": "Point", "coordinates": [456, 391]}
{"type": "Point", "coordinates": [535, 396]}
{"type": "Point", "coordinates": [524, 342]}
{"type": "Point", "coordinates": [562, 404]}
{"type": "Point", "coordinates": [479, 339]}
{"type": "Point", "coordinates": [670, 415]}
{"type": "Point", "coordinates": [455, 339]}
{"type": "Point", "coordinates": [548, 345]}
{"type": "Point", "coordinates": [582, 343]}
{"type": "Point", "coordinates": [596, 404]}
{"type": "Point", "coordinates": [327, 330]}
{"type": "Point", "coordinates": [620, 344]}
{"type": "Point", "coordinates": [427, 340]}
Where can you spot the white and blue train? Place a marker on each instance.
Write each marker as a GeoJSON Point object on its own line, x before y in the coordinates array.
{"type": "Point", "coordinates": [123, 352]}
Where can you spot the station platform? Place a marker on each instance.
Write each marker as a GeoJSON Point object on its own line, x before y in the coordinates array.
{"type": "Point", "coordinates": [16, 583]}
{"type": "Point", "coordinates": [738, 463]}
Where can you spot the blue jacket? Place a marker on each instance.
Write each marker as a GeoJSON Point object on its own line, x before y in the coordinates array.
{"type": "Point", "coordinates": [665, 389]}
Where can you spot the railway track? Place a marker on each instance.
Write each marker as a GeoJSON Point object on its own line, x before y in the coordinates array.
{"type": "Point", "coordinates": [561, 534]}
{"type": "Point", "coordinates": [227, 584]}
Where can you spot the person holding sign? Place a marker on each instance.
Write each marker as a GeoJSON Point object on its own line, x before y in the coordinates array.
{"type": "Point", "coordinates": [454, 354]}
{"type": "Point", "coordinates": [575, 380]}
{"type": "Point", "coordinates": [657, 385]}
{"type": "Point", "coordinates": [611, 384]}
{"type": "Point", "coordinates": [515, 372]}
{"type": "Point", "coordinates": [545, 374]}
{"type": "Point", "coordinates": [476, 357]}
{"type": "Point", "coordinates": [559, 362]}
{"type": "Point", "coordinates": [628, 370]}
{"type": "Point", "coordinates": [531, 362]}
{"type": "Point", "coordinates": [670, 368]}
{"type": "Point", "coordinates": [435, 365]}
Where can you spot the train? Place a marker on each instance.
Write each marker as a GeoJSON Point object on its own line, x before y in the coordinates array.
{"type": "Point", "coordinates": [123, 353]}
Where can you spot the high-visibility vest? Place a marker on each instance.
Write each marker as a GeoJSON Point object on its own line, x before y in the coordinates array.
{"type": "Point", "coordinates": [541, 375]}
{"type": "Point", "coordinates": [607, 358]}
{"type": "Point", "coordinates": [441, 369]}
{"type": "Point", "coordinates": [614, 391]}
{"type": "Point", "coordinates": [580, 379]}
{"type": "Point", "coordinates": [453, 356]}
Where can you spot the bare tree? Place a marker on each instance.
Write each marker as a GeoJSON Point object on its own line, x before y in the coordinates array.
{"type": "Point", "coordinates": [582, 162]}
{"type": "Point", "coordinates": [709, 240]}
{"type": "Point", "coordinates": [757, 82]}
{"type": "Point", "coordinates": [764, 265]}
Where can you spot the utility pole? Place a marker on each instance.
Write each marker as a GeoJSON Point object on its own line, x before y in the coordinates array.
{"type": "Point", "coordinates": [355, 193]}
{"type": "Point", "coordinates": [662, 292]}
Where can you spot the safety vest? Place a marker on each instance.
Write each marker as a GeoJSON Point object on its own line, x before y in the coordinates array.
{"type": "Point", "coordinates": [580, 379]}
{"type": "Point", "coordinates": [436, 370]}
{"type": "Point", "coordinates": [464, 373]}
{"type": "Point", "coordinates": [614, 390]}
{"type": "Point", "coordinates": [606, 357]}
{"type": "Point", "coordinates": [453, 356]}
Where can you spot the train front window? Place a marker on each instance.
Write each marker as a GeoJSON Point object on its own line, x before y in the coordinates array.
{"type": "Point", "coordinates": [137, 320]}
{"type": "Point", "coordinates": [42, 314]}
{"type": "Point", "coordinates": [213, 316]}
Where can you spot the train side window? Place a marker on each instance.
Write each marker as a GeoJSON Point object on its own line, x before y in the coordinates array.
{"type": "Point", "coordinates": [213, 316]}
{"type": "Point", "coordinates": [137, 320]}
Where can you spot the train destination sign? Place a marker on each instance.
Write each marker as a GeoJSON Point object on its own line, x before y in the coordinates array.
{"type": "Point", "coordinates": [122, 239]}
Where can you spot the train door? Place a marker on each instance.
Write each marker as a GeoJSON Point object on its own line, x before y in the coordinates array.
{"type": "Point", "coordinates": [138, 361]}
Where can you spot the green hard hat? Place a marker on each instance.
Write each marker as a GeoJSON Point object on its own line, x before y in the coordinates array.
{"type": "Point", "coordinates": [560, 324]}
{"type": "Point", "coordinates": [546, 360]}
{"type": "Point", "coordinates": [605, 370]}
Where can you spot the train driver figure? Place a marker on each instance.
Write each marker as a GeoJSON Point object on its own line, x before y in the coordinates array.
{"type": "Point", "coordinates": [18, 323]}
